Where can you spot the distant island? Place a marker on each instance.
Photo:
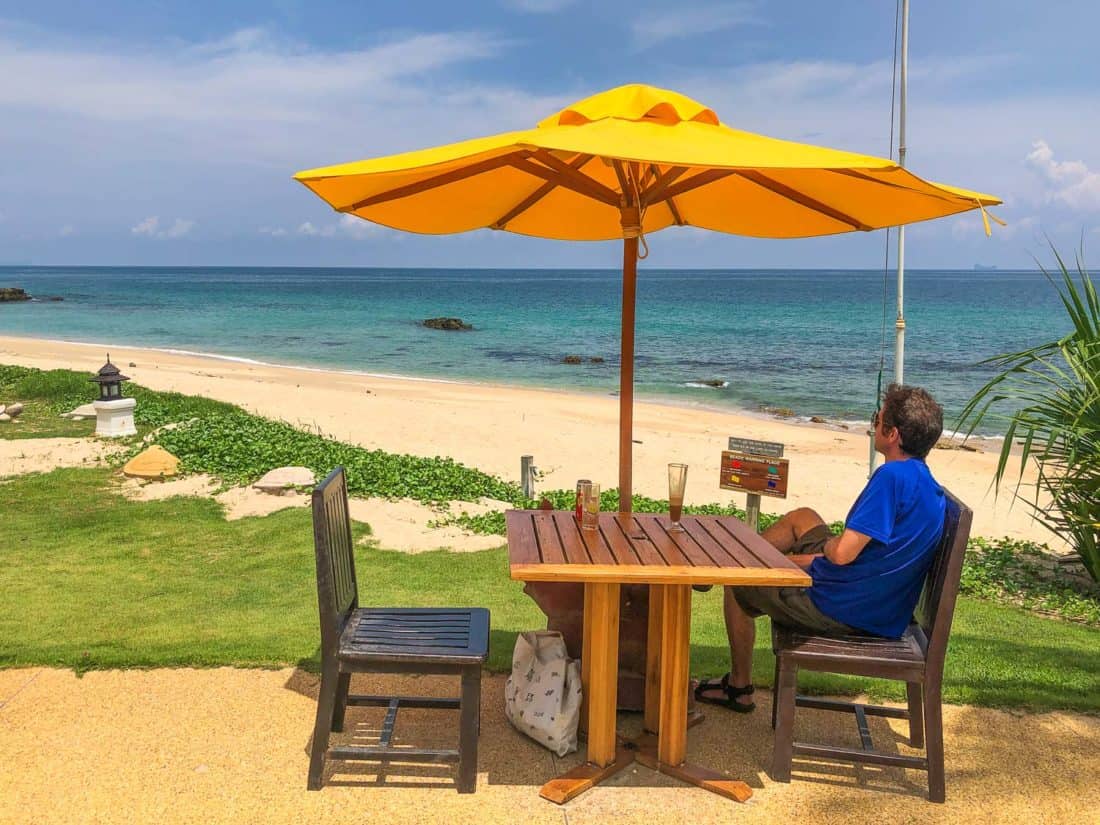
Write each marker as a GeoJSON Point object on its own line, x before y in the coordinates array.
{"type": "Point", "coordinates": [983, 268]}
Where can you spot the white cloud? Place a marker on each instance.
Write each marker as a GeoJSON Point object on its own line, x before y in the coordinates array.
{"type": "Point", "coordinates": [247, 75]}
{"type": "Point", "coordinates": [146, 227]}
{"type": "Point", "coordinates": [347, 226]}
{"type": "Point", "coordinates": [538, 6]}
{"type": "Point", "coordinates": [150, 228]}
{"type": "Point", "coordinates": [66, 230]}
{"type": "Point", "coordinates": [678, 21]}
{"type": "Point", "coordinates": [272, 231]}
{"type": "Point", "coordinates": [1068, 182]}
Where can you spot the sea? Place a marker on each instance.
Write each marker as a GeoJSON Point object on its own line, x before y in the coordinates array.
{"type": "Point", "coordinates": [810, 342]}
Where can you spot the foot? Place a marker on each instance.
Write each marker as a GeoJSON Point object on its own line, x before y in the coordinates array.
{"type": "Point", "coordinates": [719, 692]}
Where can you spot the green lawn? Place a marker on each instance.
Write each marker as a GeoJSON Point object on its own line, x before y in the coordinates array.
{"type": "Point", "coordinates": [91, 580]}
{"type": "Point", "coordinates": [40, 420]}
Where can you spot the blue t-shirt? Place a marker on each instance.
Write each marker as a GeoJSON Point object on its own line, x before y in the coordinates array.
{"type": "Point", "coordinates": [902, 510]}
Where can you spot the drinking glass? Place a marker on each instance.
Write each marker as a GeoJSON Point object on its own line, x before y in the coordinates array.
{"type": "Point", "coordinates": [590, 512]}
{"type": "Point", "coordinates": [677, 481]}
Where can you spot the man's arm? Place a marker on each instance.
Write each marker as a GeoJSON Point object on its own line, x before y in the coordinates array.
{"type": "Point", "coordinates": [845, 548]}
{"type": "Point", "coordinates": [841, 549]}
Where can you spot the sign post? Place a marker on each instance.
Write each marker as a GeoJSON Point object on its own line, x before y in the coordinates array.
{"type": "Point", "coordinates": [757, 468]}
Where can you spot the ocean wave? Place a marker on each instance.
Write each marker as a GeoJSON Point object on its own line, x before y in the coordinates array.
{"type": "Point", "coordinates": [720, 386]}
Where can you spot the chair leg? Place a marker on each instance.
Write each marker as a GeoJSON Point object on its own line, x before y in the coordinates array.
{"type": "Point", "coordinates": [933, 725]}
{"type": "Point", "coordinates": [775, 692]}
{"type": "Point", "coordinates": [326, 702]}
{"type": "Point", "coordinates": [469, 722]}
{"type": "Point", "coordinates": [341, 702]}
{"type": "Point", "coordinates": [916, 714]}
{"type": "Point", "coordinates": [785, 689]}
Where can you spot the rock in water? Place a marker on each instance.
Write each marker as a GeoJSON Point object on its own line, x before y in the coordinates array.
{"type": "Point", "coordinates": [572, 359]}
{"type": "Point", "coordinates": [14, 409]}
{"type": "Point", "coordinates": [155, 462]}
{"type": "Point", "coordinates": [817, 419]}
{"type": "Point", "coordinates": [281, 479]}
{"type": "Point", "coordinates": [13, 293]}
{"type": "Point", "coordinates": [446, 324]}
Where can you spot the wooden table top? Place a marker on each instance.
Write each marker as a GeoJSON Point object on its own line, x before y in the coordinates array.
{"type": "Point", "coordinates": [549, 545]}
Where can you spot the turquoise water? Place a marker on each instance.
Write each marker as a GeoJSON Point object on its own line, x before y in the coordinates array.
{"type": "Point", "coordinates": [806, 340]}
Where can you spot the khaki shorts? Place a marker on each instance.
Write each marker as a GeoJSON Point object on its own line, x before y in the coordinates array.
{"type": "Point", "coordinates": [791, 606]}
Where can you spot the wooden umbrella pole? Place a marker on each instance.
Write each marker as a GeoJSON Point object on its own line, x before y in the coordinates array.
{"type": "Point", "coordinates": [626, 375]}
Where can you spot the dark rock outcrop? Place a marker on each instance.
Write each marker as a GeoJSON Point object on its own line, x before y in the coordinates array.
{"type": "Point", "coordinates": [572, 359]}
{"type": "Point", "coordinates": [12, 293]}
{"type": "Point", "coordinates": [446, 324]}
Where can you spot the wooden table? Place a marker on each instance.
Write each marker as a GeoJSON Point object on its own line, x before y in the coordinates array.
{"type": "Point", "coordinates": [637, 548]}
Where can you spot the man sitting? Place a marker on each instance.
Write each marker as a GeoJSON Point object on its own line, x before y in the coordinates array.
{"type": "Point", "coordinates": [869, 578]}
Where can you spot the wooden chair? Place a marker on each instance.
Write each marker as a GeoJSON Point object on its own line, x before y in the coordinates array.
{"type": "Point", "coordinates": [387, 640]}
{"type": "Point", "coordinates": [917, 659]}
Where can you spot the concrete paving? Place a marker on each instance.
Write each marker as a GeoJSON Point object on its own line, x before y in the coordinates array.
{"type": "Point", "coordinates": [227, 745]}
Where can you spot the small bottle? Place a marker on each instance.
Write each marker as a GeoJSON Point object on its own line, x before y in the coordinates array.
{"type": "Point", "coordinates": [578, 509]}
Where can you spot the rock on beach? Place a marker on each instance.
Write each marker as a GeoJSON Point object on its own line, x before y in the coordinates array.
{"type": "Point", "coordinates": [281, 479]}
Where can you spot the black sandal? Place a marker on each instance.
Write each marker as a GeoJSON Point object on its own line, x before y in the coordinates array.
{"type": "Point", "coordinates": [731, 694]}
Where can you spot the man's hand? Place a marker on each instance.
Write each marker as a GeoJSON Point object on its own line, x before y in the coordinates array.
{"type": "Point", "coordinates": [845, 548]}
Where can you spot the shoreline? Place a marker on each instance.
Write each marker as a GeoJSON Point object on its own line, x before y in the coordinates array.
{"type": "Point", "coordinates": [982, 442]}
{"type": "Point", "coordinates": [570, 434]}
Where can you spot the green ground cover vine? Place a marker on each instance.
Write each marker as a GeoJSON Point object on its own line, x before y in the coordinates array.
{"type": "Point", "coordinates": [238, 447]}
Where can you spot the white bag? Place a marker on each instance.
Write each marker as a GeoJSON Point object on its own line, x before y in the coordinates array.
{"type": "Point", "coordinates": [542, 697]}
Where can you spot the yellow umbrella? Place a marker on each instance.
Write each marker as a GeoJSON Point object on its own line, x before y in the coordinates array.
{"type": "Point", "coordinates": [628, 162]}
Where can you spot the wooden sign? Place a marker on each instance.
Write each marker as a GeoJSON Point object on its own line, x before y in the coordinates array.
{"type": "Point", "coordinates": [771, 449]}
{"type": "Point", "coordinates": [762, 475]}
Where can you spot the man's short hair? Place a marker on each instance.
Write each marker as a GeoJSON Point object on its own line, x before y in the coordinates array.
{"type": "Point", "coordinates": [916, 415]}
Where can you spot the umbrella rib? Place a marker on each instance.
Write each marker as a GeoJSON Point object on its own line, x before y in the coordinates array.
{"type": "Point", "coordinates": [577, 163]}
{"type": "Point", "coordinates": [671, 203]}
{"type": "Point", "coordinates": [694, 182]}
{"type": "Point", "coordinates": [654, 193]}
{"type": "Point", "coordinates": [790, 194]}
{"type": "Point", "coordinates": [438, 180]}
{"type": "Point", "coordinates": [597, 192]}
{"type": "Point", "coordinates": [855, 173]}
{"type": "Point", "coordinates": [574, 174]}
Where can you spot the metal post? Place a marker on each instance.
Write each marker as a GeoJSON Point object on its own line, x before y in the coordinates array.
{"type": "Point", "coordinates": [527, 475]}
{"type": "Point", "coordinates": [899, 325]}
{"type": "Point", "coordinates": [752, 511]}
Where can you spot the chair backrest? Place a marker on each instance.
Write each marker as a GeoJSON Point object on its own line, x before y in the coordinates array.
{"type": "Point", "coordinates": [936, 606]}
{"type": "Point", "coordinates": [337, 590]}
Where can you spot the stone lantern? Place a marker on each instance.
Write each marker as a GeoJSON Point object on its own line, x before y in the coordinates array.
{"type": "Point", "coordinates": [114, 415]}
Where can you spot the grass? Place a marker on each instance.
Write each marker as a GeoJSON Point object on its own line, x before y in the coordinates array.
{"type": "Point", "coordinates": [103, 582]}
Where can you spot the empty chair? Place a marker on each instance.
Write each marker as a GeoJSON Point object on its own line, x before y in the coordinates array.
{"type": "Point", "coordinates": [917, 659]}
{"type": "Point", "coordinates": [421, 640]}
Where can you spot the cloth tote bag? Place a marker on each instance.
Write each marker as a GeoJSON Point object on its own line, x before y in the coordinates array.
{"type": "Point", "coordinates": [542, 697]}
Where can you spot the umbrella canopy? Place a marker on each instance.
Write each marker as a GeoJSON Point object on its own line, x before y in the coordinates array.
{"type": "Point", "coordinates": [627, 162]}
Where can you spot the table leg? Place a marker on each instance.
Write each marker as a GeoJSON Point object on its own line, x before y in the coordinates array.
{"type": "Point", "coordinates": [653, 660]}
{"type": "Point", "coordinates": [600, 675]}
{"type": "Point", "coordinates": [668, 756]}
{"type": "Point", "coordinates": [675, 667]}
{"type": "Point", "coordinates": [600, 679]}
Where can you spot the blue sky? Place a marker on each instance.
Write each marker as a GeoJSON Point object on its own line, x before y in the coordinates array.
{"type": "Point", "coordinates": [165, 133]}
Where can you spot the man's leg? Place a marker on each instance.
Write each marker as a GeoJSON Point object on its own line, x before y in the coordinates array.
{"type": "Point", "coordinates": [791, 527]}
{"type": "Point", "coordinates": [741, 630]}
{"type": "Point", "coordinates": [740, 626]}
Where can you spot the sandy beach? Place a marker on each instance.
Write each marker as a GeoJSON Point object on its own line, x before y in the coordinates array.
{"type": "Point", "coordinates": [570, 435]}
